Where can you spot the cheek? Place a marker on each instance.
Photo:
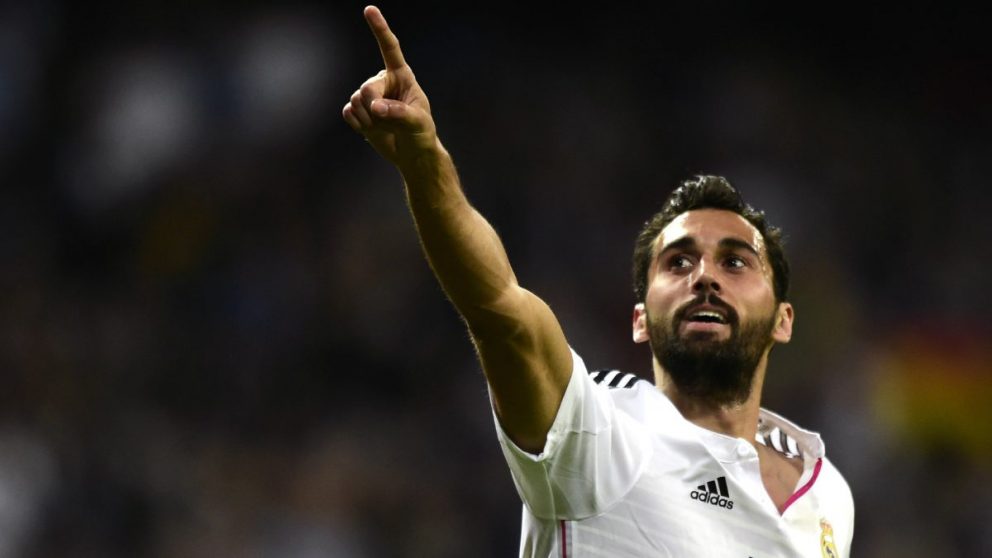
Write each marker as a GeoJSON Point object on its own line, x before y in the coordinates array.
{"type": "Point", "coordinates": [657, 296]}
{"type": "Point", "coordinates": [752, 286]}
{"type": "Point", "coordinates": [761, 305]}
{"type": "Point", "coordinates": [659, 305]}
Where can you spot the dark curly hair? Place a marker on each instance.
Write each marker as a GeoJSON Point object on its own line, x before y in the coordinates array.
{"type": "Point", "coordinates": [709, 192]}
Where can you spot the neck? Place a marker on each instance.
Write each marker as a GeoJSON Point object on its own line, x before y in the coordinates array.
{"type": "Point", "coordinates": [739, 420]}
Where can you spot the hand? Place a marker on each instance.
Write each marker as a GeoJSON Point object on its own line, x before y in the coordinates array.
{"type": "Point", "coordinates": [390, 109]}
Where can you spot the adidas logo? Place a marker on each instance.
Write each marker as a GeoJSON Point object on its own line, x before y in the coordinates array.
{"type": "Point", "coordinates": [714, 492]}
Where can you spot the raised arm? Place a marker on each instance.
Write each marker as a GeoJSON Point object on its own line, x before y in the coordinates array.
{"type": "Point", "coordinates": [522, 348]}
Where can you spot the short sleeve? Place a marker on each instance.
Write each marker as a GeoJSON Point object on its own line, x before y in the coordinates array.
{"type": "Point", "coordinates": [593, 455]}
{"type": "Point", "coordinates": [843, 493]}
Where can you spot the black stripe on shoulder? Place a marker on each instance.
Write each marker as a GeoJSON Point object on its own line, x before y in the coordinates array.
{"type": "Point", "coordinates": [598, 375]}
{"type": "Point", "coordinates": [614, 378]}
{"type": "Point", "coordinates": [630, 382]}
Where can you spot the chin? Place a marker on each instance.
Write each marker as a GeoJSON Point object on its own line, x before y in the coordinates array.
{"type": "Point", "coordinates": [712, 338]}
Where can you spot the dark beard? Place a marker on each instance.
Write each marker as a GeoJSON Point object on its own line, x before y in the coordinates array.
{"type": "Point", "coordinates": [713, 372]}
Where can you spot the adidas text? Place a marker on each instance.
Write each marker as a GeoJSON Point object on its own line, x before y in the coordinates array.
{"type": "Point", "coordinates": [711, 498]}
{"type": "Point", "coordinates": [714, 492]}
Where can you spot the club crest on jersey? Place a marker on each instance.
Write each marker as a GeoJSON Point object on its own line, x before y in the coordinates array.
{"type": "Point", "coordinates": [714, 492]}
{"type": "Point", "coordinates": [827, 547]}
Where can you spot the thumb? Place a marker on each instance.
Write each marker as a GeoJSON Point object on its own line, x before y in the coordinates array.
{"type": "Point", "coordinates": [398, 113]}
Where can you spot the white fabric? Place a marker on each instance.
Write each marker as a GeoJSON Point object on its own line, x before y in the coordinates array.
{"type": "Point", "coordinates": [619, 470]}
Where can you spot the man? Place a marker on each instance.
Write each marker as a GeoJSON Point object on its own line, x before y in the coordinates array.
{"type": "Point", "coordinates": [608, 465]}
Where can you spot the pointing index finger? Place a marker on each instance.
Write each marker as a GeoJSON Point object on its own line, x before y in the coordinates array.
{"type": "Point", "coordinates": [389, 45]}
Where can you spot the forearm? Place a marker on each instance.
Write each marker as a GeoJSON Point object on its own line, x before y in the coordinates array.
{"type": "Point", "coordinates": [462, 248]}
{"type": "Point", "coordinates": [520, 343]}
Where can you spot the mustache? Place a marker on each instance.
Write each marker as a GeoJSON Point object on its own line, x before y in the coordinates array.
{"type": "Point", "coordinates": [712, 300]}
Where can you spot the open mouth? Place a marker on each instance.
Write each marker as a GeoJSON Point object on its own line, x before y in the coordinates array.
{"type": "Point", "coordinates": [706, 317]}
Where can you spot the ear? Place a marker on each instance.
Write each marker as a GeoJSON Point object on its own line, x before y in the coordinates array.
{"type": "Point", "coordinates": [783, 323]}
{"type": "Point", "coordinates": [640, 323]}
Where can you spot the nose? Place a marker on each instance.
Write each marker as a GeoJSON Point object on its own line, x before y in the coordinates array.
{"type": "Point", "coordinates": [705, 282]}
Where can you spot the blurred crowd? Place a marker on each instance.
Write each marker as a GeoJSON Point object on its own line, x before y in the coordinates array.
{"type": "Point", "coordinates": [220, 338]}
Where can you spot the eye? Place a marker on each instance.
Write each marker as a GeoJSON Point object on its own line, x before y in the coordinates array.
{"type": "Point", "coordinates": [680, 262]}
{"type": "Point", "coordinates": [735, 262]}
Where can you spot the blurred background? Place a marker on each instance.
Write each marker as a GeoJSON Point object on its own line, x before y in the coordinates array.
{"type": "Point", "coordinates": [219, 337]}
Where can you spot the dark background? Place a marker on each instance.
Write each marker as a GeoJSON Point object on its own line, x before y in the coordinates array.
{"type": "Point", "coordinates": [219, 337]}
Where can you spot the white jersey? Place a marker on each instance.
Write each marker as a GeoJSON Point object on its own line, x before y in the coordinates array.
{"type": "Point", "coordinates": [623, 474]}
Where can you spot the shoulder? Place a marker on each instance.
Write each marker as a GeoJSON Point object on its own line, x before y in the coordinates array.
{"type": "Point", "coordinates": [614, 379]}
{"type": "Point", "coordinates": [837, 485]}
{"type": "Point", "coordinates": [838, 503]}
{"type": "Point", "coordinates": [638, 398]}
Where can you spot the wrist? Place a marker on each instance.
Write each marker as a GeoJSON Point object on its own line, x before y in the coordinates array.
{"type": "Point", "coordinates": [427, 163]}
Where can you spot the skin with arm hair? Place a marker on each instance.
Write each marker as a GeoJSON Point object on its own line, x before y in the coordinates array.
{"type": "Point", "coordinates": [523, 350]}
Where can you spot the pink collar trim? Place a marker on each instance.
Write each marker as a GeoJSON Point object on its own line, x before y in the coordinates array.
{"type": "Point", "coordinates": [805, 488]}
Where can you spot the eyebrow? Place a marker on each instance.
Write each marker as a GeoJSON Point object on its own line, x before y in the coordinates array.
{"type": "Point", "coordinates": [684, 243]}
{"type": "Point", "coordinates": [689, 243]}
{"type": "Point", "coordinates": [738, 244]}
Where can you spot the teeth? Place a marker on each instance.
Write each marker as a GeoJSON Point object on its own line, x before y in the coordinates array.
{"type": "Point", "coordinates": [709, 315]}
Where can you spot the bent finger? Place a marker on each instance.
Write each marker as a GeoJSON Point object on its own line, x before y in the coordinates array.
{"type": "Point", "coordinates": [358, 109]}
{"type": "Point", "coordinates": [348, 113]}
{"type": "Point", "coordinates": [371, 90]}
{"type": "Point", "coordinates": [389, 45]}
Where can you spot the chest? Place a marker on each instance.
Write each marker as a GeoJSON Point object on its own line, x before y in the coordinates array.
{"type": "Point", "coordinates": [705, 507]}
